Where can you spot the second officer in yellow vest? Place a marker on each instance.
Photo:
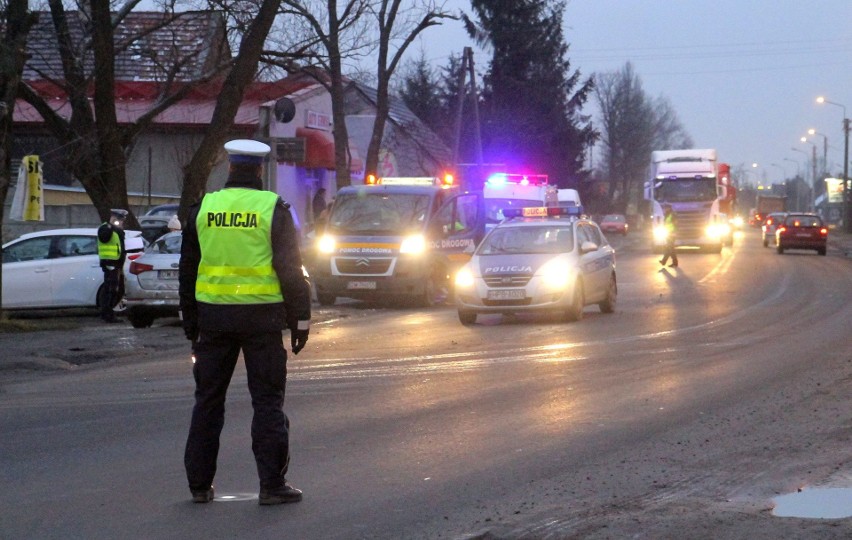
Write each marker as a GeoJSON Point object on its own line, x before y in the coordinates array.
{"type": "Point", "coordinates": [241, 285]}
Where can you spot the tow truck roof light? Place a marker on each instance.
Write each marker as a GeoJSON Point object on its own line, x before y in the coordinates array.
{"type": "Point", "coordinates": [543, 211]}
{"type": "Point", "coordinates": [497, 179]}
{"type": "Point", "coordinates": [445, 181]}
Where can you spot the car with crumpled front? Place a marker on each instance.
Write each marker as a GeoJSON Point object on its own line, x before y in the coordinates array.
{"type": "Point", "coordinates": [540, 260]}
{"type": "Point", "coordinates": [151, 282]}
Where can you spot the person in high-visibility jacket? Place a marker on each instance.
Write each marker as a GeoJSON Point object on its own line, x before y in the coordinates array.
{"type": "Point", "coordinates": [241, 283]}
{"type": "Point", "coordinates": [112, 254]}
{"type": "Point", "coordinates": [671, 230]}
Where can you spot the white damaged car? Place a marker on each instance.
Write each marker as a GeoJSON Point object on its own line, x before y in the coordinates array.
{"type": "Point", "coordinates": [539, 259]}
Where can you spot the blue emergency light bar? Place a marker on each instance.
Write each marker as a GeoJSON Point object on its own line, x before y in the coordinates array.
{"type": "Point", "coordinates": [543, 211]}
{"type": "Point", "coordinates": [497, 179]}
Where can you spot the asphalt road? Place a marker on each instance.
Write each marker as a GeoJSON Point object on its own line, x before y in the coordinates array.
{"type": "Point", "coordinates": [713, 388]}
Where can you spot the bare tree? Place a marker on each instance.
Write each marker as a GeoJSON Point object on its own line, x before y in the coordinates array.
{"type": "Point", "coordinates": [632, 126]}
{"type": "Point", "coordinates": [332, 33]}
{"type": "Point", "coordinates": [17, 21]}
{"type": "Point", "coordinates": [398, 28]}
{"type": "Point", "coordinates": [95, 145]}
{"type": "Point", "coordinates": [323, 35]}
{"type": "Point", "coordinates": [239, 77]}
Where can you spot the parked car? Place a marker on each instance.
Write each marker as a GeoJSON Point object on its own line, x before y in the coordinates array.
{"type": "Point", "coordinates": [770, 225]}
{"type": "Point", "coordinates": [163, 210]}
{"type": "Point", "coordinates": [802, 231]}
{"type": "Point", "coordinates": [57, 268]}
{"type": "Point", "coordinates": [616, 223]}
{"type": "Point", "coordinates": [151, 282]}
{"type": "Point", "coordinates": [154, 227]}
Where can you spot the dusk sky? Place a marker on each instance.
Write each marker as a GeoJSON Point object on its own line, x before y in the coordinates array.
{"type": "Point", "coordinates": [743, 75]}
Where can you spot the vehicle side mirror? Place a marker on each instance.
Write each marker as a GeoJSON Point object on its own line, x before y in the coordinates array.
{"type": "Point", "coordinates": [588, 246]}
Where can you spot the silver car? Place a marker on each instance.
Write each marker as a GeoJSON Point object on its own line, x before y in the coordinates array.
{"type": "Point", "coordinates": [543, 260]}
{"type": "Point", "coordinates": [151, 282]}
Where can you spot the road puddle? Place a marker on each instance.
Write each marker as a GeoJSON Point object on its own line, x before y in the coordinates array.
{"type": "Point", "coordinates": [828, 503]}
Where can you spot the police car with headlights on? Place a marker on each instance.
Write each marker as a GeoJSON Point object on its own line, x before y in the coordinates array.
{"type": "Point", "coordinates": [539, 259]}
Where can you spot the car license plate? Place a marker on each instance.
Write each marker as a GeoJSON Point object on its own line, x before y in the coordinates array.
{"type": "Point", "coordinates": [167, 274]}
{"type": "Point", "coordinates": [506, 294]}
{"type": "Point", "coordinates": [804, 235]}
{"type": "Point", "coordinates": [371, 285]}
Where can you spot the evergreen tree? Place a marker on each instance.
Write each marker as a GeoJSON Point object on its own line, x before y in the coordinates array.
{"type": "Point", "coordinates": [531, 102]}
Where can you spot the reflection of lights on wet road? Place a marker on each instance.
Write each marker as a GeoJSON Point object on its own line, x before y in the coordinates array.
{"type": "Point", "coordinates": [236, 497]}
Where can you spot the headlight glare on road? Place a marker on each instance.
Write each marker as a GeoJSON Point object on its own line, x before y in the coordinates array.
{"type": "Point", "coordinates": [413, 245]}
{"type": "Point", "coordinates": [556, 274]}
{"type": "Point", "coordinates": [464, 279]}
{"type": "Point", "coordinates": [326, 244]}
{"type": "Point", "coordinates": [660, 233]}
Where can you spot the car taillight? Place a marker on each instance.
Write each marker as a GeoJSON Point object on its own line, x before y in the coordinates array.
{"type": "Point", "coordinates": [133, 256]}
{"type": "Point", "coordinates": [782, 229]}
{"type": "Point", "coordinates": [823, 231]}
{"type": "Point", "coordinates": [769, 221]}
{"type": "Point", "coordinates": [137, 268]}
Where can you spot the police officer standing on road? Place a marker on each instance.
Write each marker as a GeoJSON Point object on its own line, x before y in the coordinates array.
{"type": "Point", "coordinates": [671, 230]}
{"type": "Point", "coordinates": [112, 254]}
{"type": "Point", "coordinates": [241, 284]}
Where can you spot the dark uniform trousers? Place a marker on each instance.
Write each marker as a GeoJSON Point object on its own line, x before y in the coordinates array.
{"type": "Point", "coordinates": [112, 290]}
{"type": "Point", "coordinates": [265, 358]}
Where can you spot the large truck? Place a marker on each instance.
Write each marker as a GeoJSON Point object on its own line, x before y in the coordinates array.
{"type": "Point", "coordinates": [767, 204]}
{"type": "Point", "coordinates": [397, 238]}
{"type": "Point", "coordinates": [687, 180]}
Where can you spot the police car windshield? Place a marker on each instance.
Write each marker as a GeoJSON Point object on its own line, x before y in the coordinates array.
{"type": "Point", "coordinates": [494, 207]}
{"type": "Point", "coordinates": [528, 240]}
{"type": "Point", "coordinates": [379, 213]}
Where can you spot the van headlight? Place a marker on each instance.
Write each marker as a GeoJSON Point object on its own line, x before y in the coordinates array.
{"type": "Point", "coordinates": [714, 231]}
{"type": "Point", "coordinates": [413, 245]}
{"type": "Point", "coordinates": [660, 233]}
{"type": "Point", "coordinates": [326, 244]}
{"type": "Point", "coordinates": [464, 278]}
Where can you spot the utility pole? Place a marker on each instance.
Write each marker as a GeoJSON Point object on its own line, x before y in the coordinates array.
{"type": "Point", "coordinates": [847, 200]}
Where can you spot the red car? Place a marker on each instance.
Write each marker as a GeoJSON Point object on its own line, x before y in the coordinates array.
{"type": "Point", "coordinates": [802, 231]}
{"type": "Point", "coordinates": [614, 223]}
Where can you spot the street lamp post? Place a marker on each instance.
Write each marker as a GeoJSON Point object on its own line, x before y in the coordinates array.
{"type": "Point", "coordinates": [824, 150]}
{"type": "Point", "coordinates": [813, 171]}
{"type": "Point", "coordinates": [797, 183]}
{"type": "Point", "coordinates": [847, 200]}
{"type": "Point", "coordinates": [807, 159]}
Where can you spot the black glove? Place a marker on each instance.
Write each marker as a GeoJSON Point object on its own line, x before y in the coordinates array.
{"type": "Point", "coordinates": [190, 330]}
{"type": "Point", "coordinates": [298, 338]}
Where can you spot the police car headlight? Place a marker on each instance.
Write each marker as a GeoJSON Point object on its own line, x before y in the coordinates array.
{"type": "Point", "coordinates": [413, 245]}
{"type": "Point", "coordinates": [556, 274]}
{"type": "Point", "coordinates": [464, 278]}
{"type": "Point", "coordinates": [660, 233]}
{"type": "Point", "coordinates": [326, 244]}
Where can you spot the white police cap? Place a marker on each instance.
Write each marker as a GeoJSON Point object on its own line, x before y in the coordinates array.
{"type": "Point", "coordinates": [246, 151]}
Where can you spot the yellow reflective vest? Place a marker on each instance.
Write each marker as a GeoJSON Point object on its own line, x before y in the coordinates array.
{"type": "Point", "coordinates": [669, 223]}
{"type": "Point", "coordinates": [111, 249]}
{"type": "Point", "coordinates": [234, 232]}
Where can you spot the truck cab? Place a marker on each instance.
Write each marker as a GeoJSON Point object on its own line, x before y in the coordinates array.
{"type": "Point", "coordinates": [397, 238]}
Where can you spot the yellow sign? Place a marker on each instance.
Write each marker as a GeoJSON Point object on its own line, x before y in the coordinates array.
{"type": "Point", "coordinates": [28, 200]}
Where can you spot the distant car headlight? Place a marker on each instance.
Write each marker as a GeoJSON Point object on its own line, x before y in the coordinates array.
{"type": "Point", "coordinates": [556, 273]}
{"type": "Point", "coordinates": [660, 233]}
{"type": "Point", "coordinates": [464, 278]}
{"type": "Point", "coordinates": [413, 245]}
{"type": "Point", "coordinates": [327, 244]}
{"type": "Point", "coordinates": [738, 222]}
